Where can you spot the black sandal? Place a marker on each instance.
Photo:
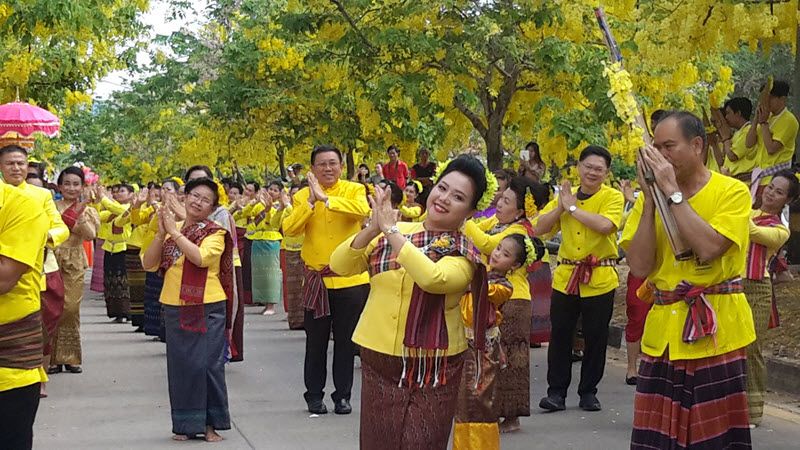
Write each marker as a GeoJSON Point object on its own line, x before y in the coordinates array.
{"type": "Point", "coordinates": [631, 381]}
{"type": "Point", "coordinates": [73, 369]}
{"type": "Point", "coordinates": [54, 369]}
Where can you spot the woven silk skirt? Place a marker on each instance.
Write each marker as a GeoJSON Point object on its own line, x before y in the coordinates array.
{"type": "Point", "coordinates": [541, 283]}
{"type": "Point", "coordinates": [96, 284]}
{"type": "Point", "coordinates": [115, 286]}
{"type": "Point", "coordinates": [153, 283]}
{"type": "Point", "coordinates": [514, 381]}
{"type": "Point", "coordinates": [198, 395]}
{"type": "Point", "coordinates": [136, 279]}
{"type": "Point", "coordinates": [293, 289]}
{"type": "Point", "coordinates": [67, 341]}
{"type": "Point", "coordinates": [476, 425]}
{"type": "Point", "coordinates": [696, 403]}
{"type": "Point", "coordinates": [405, 418]}
{"type": "Point", "coordinates": [266, 272]}
{"type": "Point", "coordinates": [759, 296]}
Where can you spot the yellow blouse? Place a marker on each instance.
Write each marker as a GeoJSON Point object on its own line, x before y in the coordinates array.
{"type": "Point", "coordinates": [23, 233]}
{"type": "Point", "coordinates": [211, 249]}
{"type": "Point", "coordinates": [478, 233]}
{"type": "Point", "coordinates": [579, 241]}
{"type": "Point", "coordinates": [497, 294]}
{"type": "Point", "coordinates": [724, 203]}
{"type": "Point", "coordinates": [114, 212]}
{"type": "Point", "coordinates": [383, 323]}
{"type": "Point", "coordinates": [772, 238]}
{"type": "Point", "coordinates": [327, 226]}
{"type": "Point", "coordinates": [268, 229]}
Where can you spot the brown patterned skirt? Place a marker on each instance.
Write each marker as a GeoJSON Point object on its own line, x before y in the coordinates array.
{"type": "Point", "coordinates": [395, 418]}
{"type": "Point", "coordinates": [115, 285]}
{"type": "Point", "coordinates": [293, 289]}
{"type": "Point", "coordinates": [759, 296]}
{"type": "Point", "coordinates": [67, 341]}
{"type": "Point", "coordinates": [136, 279]}
{"type": "Point", "coordinates": [514, 381]}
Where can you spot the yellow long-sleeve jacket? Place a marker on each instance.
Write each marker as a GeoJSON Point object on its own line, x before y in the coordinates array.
{"type": "Point", "coordinates": [326, 225]}
{"type": "Point", "coordinates": [113, 215]}
{"type": "Point", "coordinates": [58, 233]}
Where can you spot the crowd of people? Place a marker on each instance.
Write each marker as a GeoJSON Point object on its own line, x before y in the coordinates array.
{"type": "Point", "coordinates": [437, 277]}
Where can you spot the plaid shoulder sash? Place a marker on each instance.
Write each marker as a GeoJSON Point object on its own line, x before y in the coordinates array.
{"type": "Point", "coordinates": [425, 342]}
{"type": "Point", "coordinates": [757, 253]}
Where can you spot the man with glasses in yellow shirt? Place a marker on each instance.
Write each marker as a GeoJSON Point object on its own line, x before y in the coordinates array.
{"type": "Point", "coordinates": [585, 279]}
{"type": "Point", "coordinates": [328, 212]}
{"type": "Point", "coordinates": [696, 333]}
{"type": "Point", "coordinates": [23, 233]}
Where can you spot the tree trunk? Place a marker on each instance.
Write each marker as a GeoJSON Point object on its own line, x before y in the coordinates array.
{"type": "Point", "coordinates": [350, 162]}
{"type": "Point", "coordinates": [494, 140]}
{"type": "Point", "coordinates": [282, 162]}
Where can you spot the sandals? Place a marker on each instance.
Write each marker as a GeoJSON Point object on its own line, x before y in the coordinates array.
{"type": "Point", "coordinates": [73, 369]}
{"type": "Point", "coordinates": [631, 381]}
{"type": "Point", "coordinates": [54, 369]}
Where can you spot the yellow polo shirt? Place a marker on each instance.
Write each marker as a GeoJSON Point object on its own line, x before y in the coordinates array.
{"type": "Point", "coordinates": [211, 249]}
{"type": "Point", "coordinates": [747, 156]}
{"type": "Point", "coordinates": [327, 226]}
{"type": "Point", "coordinates": [477, 232]}
{"type": "Point", "coordinates": [23, 233]}
{"type": "Point", "coordinates": [783, 127]}
{"type": "Point", "coordinates": [383, 323]}
{"type": "Point", "coordinates": [579, 241]}
{"type": "Point", "coordinates": [724, 203]}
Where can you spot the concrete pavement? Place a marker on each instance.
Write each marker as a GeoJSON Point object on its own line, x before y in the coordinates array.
{"type": "Point", "coordinates": [121, 401]}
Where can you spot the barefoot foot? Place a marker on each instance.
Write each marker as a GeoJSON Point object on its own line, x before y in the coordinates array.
{"type": "Point", "coordinates": [509, 425]}
{"type": "Point", "coordinates": [212, 436]}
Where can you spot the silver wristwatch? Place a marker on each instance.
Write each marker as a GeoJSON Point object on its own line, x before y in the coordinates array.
{"type": "Point", "coordinates": [392, 230]}
{"type": "Point", "coordinates": [676, 198]}
{"type": "Point", "coordinates": [572, 209]}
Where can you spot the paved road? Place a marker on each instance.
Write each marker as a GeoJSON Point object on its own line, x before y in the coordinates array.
{"type": "Point", "coordinates": [120, 401]}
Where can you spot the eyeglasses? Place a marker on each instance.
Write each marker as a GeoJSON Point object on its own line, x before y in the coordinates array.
{"type": "Point", "coordinates": [327, 165]}
{"type": "Point", "coordinates": [594, 169]}
{"type": "Point", "coordinates": [200, 199]}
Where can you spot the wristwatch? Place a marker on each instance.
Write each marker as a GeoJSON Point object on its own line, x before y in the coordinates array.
{"type": "Point", "coordinates": [676, 198]}
{"type": "Point", "coordinates": [572, 209]}
{"type": "Point", "coordinates": [392, 230]}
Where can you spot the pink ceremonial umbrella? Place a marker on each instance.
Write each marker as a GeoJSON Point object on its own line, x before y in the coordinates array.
{"type": "Point", "coordinates": [25, 120]}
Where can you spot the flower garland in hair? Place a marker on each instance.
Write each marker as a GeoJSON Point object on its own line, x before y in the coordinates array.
{"type": "Point", "coordinates": [491, 185]}
{"type": "Point", "coordinates": [530, 252]}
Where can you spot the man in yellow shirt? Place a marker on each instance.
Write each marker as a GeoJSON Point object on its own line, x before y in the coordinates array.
{"type": "Point", "coordinates": [328, 212]}
{"type": "Point", "coordinates": [740, 160]}
{"type": "Point", "coordinates": [23, 233]}
{"type": "Point", "coordinates": [585, 279]}
{"type": "Point", "coordinates": [697, 330]}
{"type": "Point", "coordinates": [775, 134]}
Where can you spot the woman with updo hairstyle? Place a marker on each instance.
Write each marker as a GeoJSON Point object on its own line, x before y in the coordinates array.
{"type": "Point", "coordinates": [194, 259]}
{"type": "Point", "coordinates": [411, 334]}
{"type": "Point", "coordinates": [83, 222]}
{"type": "Point", "coordinates": [513, 387]}
{"type": "Point", "coordinates": [767, 235]}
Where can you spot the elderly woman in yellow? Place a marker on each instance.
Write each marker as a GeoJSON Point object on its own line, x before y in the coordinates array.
{"type": "Point", "coordinates": [198, 280]}
{"type": "Point", "coordinates": [411, 334]}
{"type": "Point", "coordinates": [767, 235]}
{"type": "Point", "coordinates": [513, 391]}
{"type": "Point", "coordinates": [476, 416]}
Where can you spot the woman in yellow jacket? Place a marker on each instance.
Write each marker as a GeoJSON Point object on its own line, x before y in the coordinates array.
{"type": "Point", "coordinates": [411, 334]}
{"type": "Point", "coordinates": [513, 393]}
{"type": "Point", "coordinates": [767, 236]}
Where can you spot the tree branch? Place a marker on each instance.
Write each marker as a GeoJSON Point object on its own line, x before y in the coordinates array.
{"type": "Point", "coordinates": [353, 25]}
{"type": "Point", "coordinates": [474, 118]}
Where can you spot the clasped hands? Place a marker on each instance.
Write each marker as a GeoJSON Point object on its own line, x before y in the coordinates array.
{"type": "Point", "coordinates": [383, 216]}
{"type": "Point", "coordinates": [316, 193]}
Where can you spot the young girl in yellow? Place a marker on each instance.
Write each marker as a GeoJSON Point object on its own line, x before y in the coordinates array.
{"type": "Point", "coordinates": [476, 425]}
